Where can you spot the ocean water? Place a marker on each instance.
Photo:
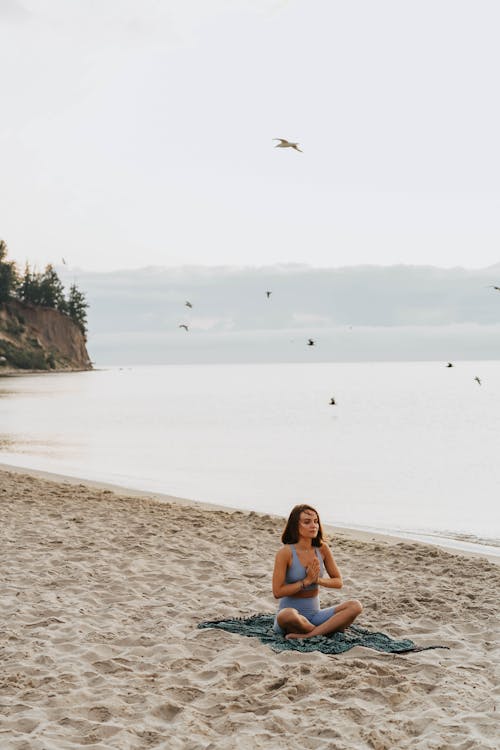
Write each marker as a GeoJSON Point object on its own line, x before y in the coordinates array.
{"type": "Point", "coordinates": [408, 448]}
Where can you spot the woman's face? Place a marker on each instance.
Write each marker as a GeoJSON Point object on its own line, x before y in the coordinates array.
{"type": "Point", "coordinates": [308, 524]}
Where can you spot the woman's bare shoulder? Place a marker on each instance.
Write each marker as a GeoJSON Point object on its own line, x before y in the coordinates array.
{"type": "Point", "coordinates": [325, 549]}
{"type": "Point", "coordinates": [283, 553]}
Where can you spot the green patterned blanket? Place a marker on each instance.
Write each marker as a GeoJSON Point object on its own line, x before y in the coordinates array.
{"type": "Point", "coordinates": [260, 626]}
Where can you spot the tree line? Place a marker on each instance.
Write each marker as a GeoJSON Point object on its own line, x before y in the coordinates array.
{"type": "Point", "coordinates": [41, 288]}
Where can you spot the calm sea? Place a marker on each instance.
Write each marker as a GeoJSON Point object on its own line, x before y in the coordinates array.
{"type": "Point", "coordinates": [408, 448]}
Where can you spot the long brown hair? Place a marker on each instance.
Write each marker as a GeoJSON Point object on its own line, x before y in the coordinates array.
{"type": "Point", "coordinates": [290, 533]}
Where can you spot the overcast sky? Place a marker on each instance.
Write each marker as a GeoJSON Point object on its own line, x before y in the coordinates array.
{"type": "Point", "coordinates": [136, 133]}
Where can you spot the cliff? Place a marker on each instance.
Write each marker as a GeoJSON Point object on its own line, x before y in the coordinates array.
{"type": "Point", "coordinates": [39, 338]}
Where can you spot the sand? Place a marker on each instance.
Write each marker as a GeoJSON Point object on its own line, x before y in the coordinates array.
{"type": "Point", "coordinates": [101, 595]}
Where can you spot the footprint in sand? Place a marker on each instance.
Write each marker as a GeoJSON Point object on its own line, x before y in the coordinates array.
{"type": "Point", "coordinates": [99, 713]}
{"type": "Point", "coordinates": [167, 711]}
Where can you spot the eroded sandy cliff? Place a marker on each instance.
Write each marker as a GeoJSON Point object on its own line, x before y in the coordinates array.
{"type": "Point", "coordinates": [40, 338]}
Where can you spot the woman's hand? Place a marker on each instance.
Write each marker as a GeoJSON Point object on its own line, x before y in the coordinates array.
{"type": "Point", "coordinates": [312, 572]}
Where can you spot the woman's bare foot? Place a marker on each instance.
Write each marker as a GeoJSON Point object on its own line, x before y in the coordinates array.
{"type": "Point", "coordinates": [293, 636]}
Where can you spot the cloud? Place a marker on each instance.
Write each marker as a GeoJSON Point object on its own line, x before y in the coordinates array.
{"type": "Point", "coordinates": [370, 312]}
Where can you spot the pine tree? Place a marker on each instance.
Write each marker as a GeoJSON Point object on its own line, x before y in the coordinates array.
{"type": "Point", "coordinates": [29, 287]}
{"type": "Point", "coordinates": [51, 288]}
{"type": "Point", "coordinates": [42, 288]}
{"type": "Point", "coordinates": [9, 278]}
{"type": "Point", "coordinates": [76, 307]}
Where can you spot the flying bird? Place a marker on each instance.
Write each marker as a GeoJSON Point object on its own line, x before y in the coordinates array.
{"type": "Point", "coordinates": [268, 294]}
{"type": "Point", "coordinates": [287, 144]}
{"type": "Point", "coordinates": [332, 401]}
{"type": "Point", "coordinates": [310, 342]}
{"type": "Point", "coordinates": [183, 325]}
{"type": "Point", "coordinates": [63, 260]}
{"type": "Point", "coordinates": [449, 364]}
{"type": "Point", "coordinates": [188, 303]}
{"type": "Point", "coordinates": [478, 380]}
{"type": "Point", "coordinates": [492, 286]}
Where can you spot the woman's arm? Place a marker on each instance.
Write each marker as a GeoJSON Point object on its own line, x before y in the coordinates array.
{"type": "Point", "coordinates": [280, 588]}
{"type": "Point", "coordinates": [335, 579]}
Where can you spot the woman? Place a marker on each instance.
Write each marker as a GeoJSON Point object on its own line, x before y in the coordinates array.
{"type": "Point", "coordinates": [299, 571]}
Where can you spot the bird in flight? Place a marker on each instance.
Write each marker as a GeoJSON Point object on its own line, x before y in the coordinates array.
{"type": "Point", "coordinates": [183, 325]}
{"type": "Point", "coordinates": [495, 287]}
{"type": "Point", "coordinates": [332, 401]}
{"type": "Point", "coordinates": [310, 342]}
{"type": "Point", "coordinates": [478, 380]}
{"type": "Point", "coordinates": [287, 144]}
{"type": "Point", "coordinates": [449, 364]}
{"type": "Point", "coordinates": [188, 303]}
{"type": "Point", "coordinates": [268, 294]}
{"type": "Point", "coordinates": [63, 260]}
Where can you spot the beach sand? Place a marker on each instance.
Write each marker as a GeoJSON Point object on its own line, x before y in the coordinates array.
{"type": "Point", "coordinates": [101, 594]}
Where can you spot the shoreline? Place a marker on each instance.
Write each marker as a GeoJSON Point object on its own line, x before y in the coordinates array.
{"type": "Point", "coordinates": [9, 373]}
{"type": "Point", "coordinates": [102, 595]}
{"type": "Point", "coordinates": [354, 533]}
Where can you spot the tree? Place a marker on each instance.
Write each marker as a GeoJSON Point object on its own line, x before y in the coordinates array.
{"type": "Point", "coordinates": [29, 287]}
{"type": "Point", "coordinates": [9, 278]}
{"type": "Point", "coordinates": [42, 288]}
{"type": "Point", "coordinates": [76, 307]}
{"type": "Point", "coordinates": [51, 288]}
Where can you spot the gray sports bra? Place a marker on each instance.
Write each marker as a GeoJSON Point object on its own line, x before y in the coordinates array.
{"type": "Point", "coordinates": [296, 571]}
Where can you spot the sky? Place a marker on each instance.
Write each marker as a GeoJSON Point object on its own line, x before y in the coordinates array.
{"type": "Point", "coordinates": [137, 134]}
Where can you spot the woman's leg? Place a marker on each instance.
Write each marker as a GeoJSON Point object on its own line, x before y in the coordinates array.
{"type": "Point", "coordinates": [345, 614]}
{"type": "Point", "coordinates": [291, 621]}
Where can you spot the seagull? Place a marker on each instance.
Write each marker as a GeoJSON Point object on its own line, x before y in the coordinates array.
{"type": "Point", "coordinates": [332, 401]}
{"type": "Point", "coordinates": [268, 294]}
{"type": "Point", "coordinates": [188, 303]}
{"type": "Point", "coordinates": [478, 380]}
{"type": "Point", "coordinates": [310, 342]}
{"type": "Point", "coordinates": [287, 144]}
{"type": "Point", "coordinates": [492, 286]}
{"type": "Point", "coordinates": [449, 364]}
{"type": "Point", "coordinates": [183, 325]}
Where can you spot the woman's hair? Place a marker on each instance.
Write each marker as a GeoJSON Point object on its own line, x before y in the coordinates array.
{"type": "Point", "coordinates": [290, 533]}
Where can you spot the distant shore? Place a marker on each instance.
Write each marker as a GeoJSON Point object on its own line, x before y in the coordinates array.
{"type": "Point", "coordinates": [102, 593]}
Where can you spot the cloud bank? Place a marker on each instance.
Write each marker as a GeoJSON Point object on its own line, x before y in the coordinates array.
{"type": "Point", "coordinates": [352, 313]}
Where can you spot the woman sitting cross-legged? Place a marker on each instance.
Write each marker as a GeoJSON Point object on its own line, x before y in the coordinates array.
{"type": "Point", "coordinates": [299, 571]}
